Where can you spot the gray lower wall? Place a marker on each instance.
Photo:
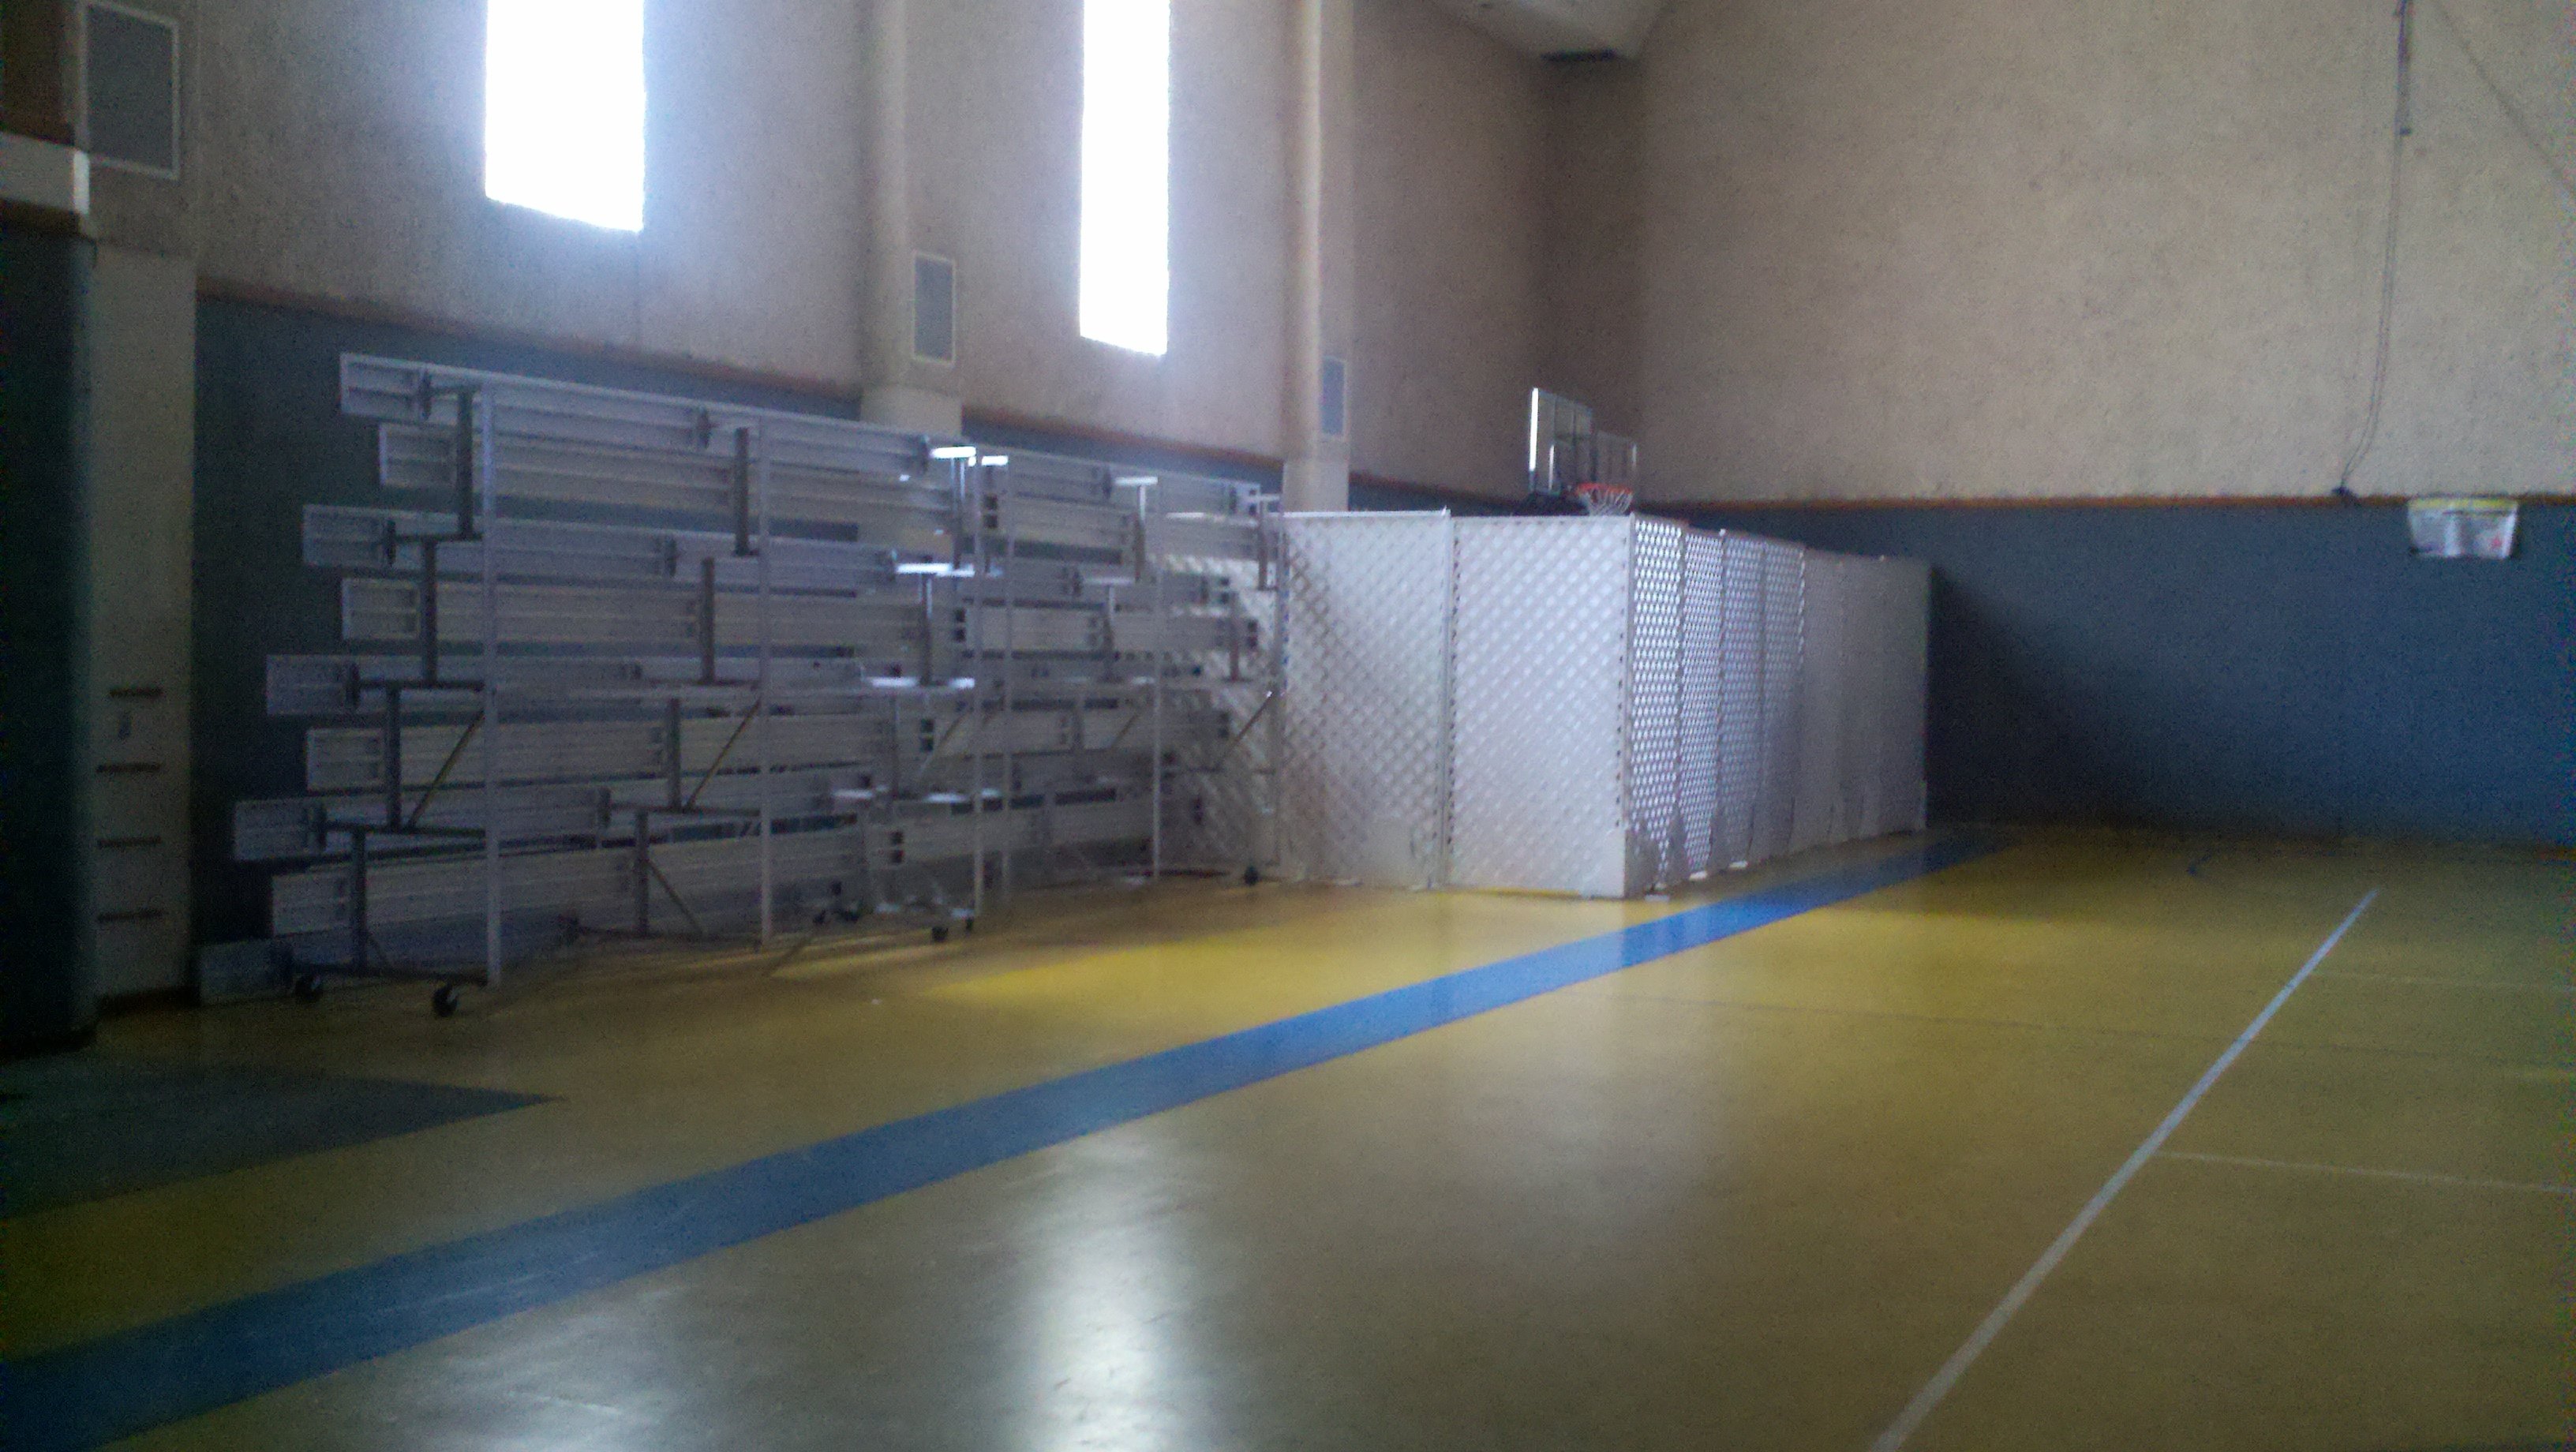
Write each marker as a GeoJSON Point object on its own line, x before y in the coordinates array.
{"type": "Point", "coordinates": [2239, 668]}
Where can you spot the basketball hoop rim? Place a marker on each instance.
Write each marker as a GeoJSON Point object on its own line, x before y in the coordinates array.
{"type": "Point", "coordinates": [1605, 498]}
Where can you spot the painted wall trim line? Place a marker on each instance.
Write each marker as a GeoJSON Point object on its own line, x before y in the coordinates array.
{"type": "Point", "coordinates": [118, 1385]}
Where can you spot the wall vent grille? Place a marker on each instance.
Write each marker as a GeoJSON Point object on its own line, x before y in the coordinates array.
{"type": "Point", "coordinates": [129, 89]}
{"type": "Point", "coordinates": [934, 309]}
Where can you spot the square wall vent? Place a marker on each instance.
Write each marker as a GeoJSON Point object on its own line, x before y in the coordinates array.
{"type": "Point", "coordinates": [129, 89]}
{"type": "Point", "coordinates": [934, 309]}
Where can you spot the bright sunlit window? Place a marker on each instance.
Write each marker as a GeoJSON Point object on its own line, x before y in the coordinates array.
{"type": "Point", "coordinates": [1126, 172]}
{"type": "Point", "coordinates": [563, 108]}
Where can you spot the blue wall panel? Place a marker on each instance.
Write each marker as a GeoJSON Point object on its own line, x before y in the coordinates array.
{"type": "Point", "coordinates": [2239, 667]}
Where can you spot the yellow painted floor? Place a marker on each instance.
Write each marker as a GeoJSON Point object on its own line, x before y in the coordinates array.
{"type": "Point", "coordinates": [1754, 1195]}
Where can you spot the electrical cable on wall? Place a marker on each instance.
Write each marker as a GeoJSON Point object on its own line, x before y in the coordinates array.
{"type": "Point", "coordinates": [2388, 253]}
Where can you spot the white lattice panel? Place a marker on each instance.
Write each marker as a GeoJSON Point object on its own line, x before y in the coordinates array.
{"type": "Point", "coordinates": [1739, 707]}
{"type": "Point", "coordinates": [1866, 738]}
{"type": "Point", "coordinates": [1783, 635]}
{"type": "Point", "coordinates": [1856, 765]}
{"type": "Point", "coordinates": [1894, 803]}
{"type": "Point", "coordinates": [1654, 684]}
{"type": "Point", "coordinates": [1364, 739]}
{"type": "Point", "coordinates": [1597, 706]}
{"type": "Point", "coordinates": [1703, 684]}
{"type": "Point", "coordinates": [1539, 685]}
{"type": "Point", "coordinates": [1818, 817]}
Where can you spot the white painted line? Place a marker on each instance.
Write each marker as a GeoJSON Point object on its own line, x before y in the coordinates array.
{"type": "Point", "coordinates": [1966, 1356]}
{"type": "Point", "coordinates": [2416, 1176]}
{"type": "Point", "coordinates": [2487, 983]}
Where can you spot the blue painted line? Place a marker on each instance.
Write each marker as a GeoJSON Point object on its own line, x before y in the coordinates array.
{"type": "Point", "coordinates": [98, 1391]}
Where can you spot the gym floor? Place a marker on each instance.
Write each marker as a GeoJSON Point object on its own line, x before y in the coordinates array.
{"type": "Point", "coordinates": [2062, 1141]}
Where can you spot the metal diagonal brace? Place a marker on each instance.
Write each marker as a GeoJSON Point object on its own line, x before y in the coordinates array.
{"type": "Point", "coordinates": [455, 754]}
{"type": "Point", "coordinates": [758, 705]}
{"type": "Point", "coordinates": [1267, 697]}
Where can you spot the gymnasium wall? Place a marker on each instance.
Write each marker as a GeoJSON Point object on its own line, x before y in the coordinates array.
{"type": "Point", "coordinates": [2048, 248]}
{"type": "Point", "coordinates": [1941, 263]}
{"type": "Point", "coordinates": [333, 152]}
{"type": "Point", "coordinates": [996, 113]}
{"type": "Point", "coordinates": [1450, 329]}
{"type": "Point", "coordinates": [1594, 223]}
{"type": "Point", "coordinates": [338, 154]}
{"type": "Point", "coordinates": [2261, 668]}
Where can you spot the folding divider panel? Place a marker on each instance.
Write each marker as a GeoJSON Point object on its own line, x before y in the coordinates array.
{"type": "Point", "coordinates": [1653, 703]}
{"type": "Point", "coordinates": [1783, 635]}
{"type": "Point", "coordinates": [1739, 707]}
{"type": "Point", "coordinates": [1365, 731]}
{"type": "Point", "coordinates": [1540, 691]}
{"type": "Point", "coordinates": [1816, 820]}
{"type": "Point", "coordinates": [1594, 706]}
{"type": "Point", "coordinates": [1906, 669]}
{"type": "Point", "coordinates": [1896, 677]}
{"type": "Point", "coordinates": [1864, 698]}
{"type": "Point", "coordinates": [1865, 734]}
{"type": "Point", "coordinates": [1703, 685]}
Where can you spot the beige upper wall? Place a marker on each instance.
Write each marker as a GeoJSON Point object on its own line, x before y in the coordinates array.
{"type": "Point", "coordinates": [343, 158]}
{"type": "Point", "coordinates": [996, 110]}
{"type": "Point", "coordinates": [340, 153]}
{"type": "Point", "coordinates": [335, 150]}
{"type": "Point", "coordinates": [1449, 336]}
{"type": "Point", "coordinates": [338, 149]}
{"type": "Point", "coordinates": [1594, 233]}
{"type": "Point", "coordinates": [2053, 247]}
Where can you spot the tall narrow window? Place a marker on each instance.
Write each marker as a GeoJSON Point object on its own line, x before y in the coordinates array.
{"type": "Point", "coordinates": [1127, 172]}
{"type": "Point", "coordinates": [563, 108]}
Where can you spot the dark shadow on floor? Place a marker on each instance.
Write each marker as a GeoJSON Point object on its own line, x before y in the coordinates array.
{"type": "Point", "coordinates": [83, 1127]}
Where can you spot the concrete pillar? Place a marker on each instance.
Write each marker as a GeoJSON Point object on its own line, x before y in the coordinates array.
{"type": "Point", "coordinates": [891, 392]}
{"type": "Point", "coordinates": [1322, 253]}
